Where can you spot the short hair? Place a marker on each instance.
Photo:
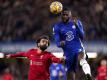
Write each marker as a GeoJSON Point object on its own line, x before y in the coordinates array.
{"type": "Point", "coordinates": [66, 9]}
{"type": "Point", "coordinates": [43, 37]}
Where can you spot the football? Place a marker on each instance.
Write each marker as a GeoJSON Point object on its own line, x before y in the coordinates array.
{"type": "Point", "coordinates": [56, 7]}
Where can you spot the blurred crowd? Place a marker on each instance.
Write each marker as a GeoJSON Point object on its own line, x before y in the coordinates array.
{"type": "Point", "coordinates": [26, 19]}
{"type": "Point", "coordinates": [14, 69]}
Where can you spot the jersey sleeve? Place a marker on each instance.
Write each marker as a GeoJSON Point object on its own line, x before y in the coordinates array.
{"type": "Point", "coordinates": [80, 29]}
{"type": "Point", "coordinates": [56, 35]}
{"type": "Point", "coordinates": [20, 54]}
{"type": "Point", "coordinates": [55, 59]}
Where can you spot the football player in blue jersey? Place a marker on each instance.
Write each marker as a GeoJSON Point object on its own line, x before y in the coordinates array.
{"type": "Point", "coordinates": [57, 72]}
{"type": "Point", "coordinates": [68, 35]}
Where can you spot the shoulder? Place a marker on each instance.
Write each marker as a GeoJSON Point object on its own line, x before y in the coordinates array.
{"type": "Point", "coordinates": [48, 53]}
{"type": "Point", "coordinates": [57, 26]}
{"type": "Point", "coordinates": [32, 50]}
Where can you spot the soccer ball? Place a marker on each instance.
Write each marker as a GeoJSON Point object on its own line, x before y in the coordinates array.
{"type": "Point", "coordinates": [56, 7]}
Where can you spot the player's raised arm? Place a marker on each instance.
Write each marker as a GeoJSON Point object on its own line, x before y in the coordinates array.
{"type": "Point", "coordinates": [80, 29]}
{"type": "Point", "coordinates": [56, 35]}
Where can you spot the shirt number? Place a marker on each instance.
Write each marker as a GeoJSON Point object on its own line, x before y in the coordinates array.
{"type": "Point", "coordinates": [69, 36]}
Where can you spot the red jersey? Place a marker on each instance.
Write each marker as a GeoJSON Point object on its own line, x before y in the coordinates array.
{"type": "Point", "coordinates": [39, 63]}
{"type": "Point", "coordinates": [7, 76]}
{"type": "Point", "coordinates": [102, 73]}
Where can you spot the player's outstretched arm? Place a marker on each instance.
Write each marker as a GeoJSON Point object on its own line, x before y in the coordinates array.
{"type": "Point", "coordinates": [19, 54]}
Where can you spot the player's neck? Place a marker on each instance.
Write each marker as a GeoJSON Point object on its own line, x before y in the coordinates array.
{"type": "Point", "coordinates": [67, 21]}
{"type": "Point", "coordinates": [39, 51]}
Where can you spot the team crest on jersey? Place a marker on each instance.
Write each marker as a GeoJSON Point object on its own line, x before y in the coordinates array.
{"type": "Point", "coordinates": [31, 55]}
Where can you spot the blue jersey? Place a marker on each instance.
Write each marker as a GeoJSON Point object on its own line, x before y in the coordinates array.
{"type": "Point", "coordinates": [71, 34]}
{"type": "Point", "coordinates": [57, 72]}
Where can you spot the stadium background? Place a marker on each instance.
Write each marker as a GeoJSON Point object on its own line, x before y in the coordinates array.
{"type": "Point", "coordinates": [22, 21]}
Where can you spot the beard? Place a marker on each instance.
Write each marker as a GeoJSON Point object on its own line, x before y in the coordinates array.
{"type": "Point", "coordinates": [43, 48]}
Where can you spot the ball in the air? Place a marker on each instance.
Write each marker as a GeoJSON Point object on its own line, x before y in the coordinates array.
{"type": "Point", "coordinates": [56, 7]}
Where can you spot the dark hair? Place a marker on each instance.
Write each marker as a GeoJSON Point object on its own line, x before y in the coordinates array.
{"type": "Point", "coordinates": [43, 37]}
{"type": "Point", "coordinates": [66, 9]}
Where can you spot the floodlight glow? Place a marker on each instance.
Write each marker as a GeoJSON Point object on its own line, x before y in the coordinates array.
{"type": "Point", "coordinates": [1, 55]}
{"type": "Point", "coordinates": [92, 54]}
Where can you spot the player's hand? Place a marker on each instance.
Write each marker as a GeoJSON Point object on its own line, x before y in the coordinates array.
{"type": "Point", "coordinates": [63, 58]}
{"type": "Point", "coordinates": [62, 43]}
{"type": "Point", "coordinates": [75, 22]}
{"type": "Point", "coordinates": [8, 56]}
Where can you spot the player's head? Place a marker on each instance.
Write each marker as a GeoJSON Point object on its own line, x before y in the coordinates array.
{"type": "Point", "coordinates": [66, 14]}
{"type": "Point", "coordinates": [43, 42]}
{"type": "Point", "coordinates": [103, 62]}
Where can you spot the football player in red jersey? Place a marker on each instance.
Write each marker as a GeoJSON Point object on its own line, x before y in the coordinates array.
{"type": "Point", "coordinates": [102, 70]}
{"type": "Point", "coordinates": [40, 60]}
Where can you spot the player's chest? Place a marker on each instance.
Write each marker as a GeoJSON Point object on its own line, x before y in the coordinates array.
{"type": "Point", "coordinates": [38, 60]}
{"type": "Point", "coordinates": [36, 57]}
{"type": "Point", "coordinates": [68, 29]}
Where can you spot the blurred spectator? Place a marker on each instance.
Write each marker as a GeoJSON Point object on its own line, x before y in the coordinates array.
{"type": "Point", "coordinates": [57, 72]}
{"type": "Point", "coordinates": [22, 20]}
{"type": "Point", "coordinates": [102, 70]}
{"type": "Point", "coordinates": [7, 75]}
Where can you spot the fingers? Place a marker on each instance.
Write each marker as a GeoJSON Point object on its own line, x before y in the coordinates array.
{"type": "Point", "coordinates": [63, 58]}
{"type": "Point", "coordinates": [8, 56]}
{"type": "Point", "coordinates": [62, 43]}
{"type": "Point", "coordinates": [3, 55]}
